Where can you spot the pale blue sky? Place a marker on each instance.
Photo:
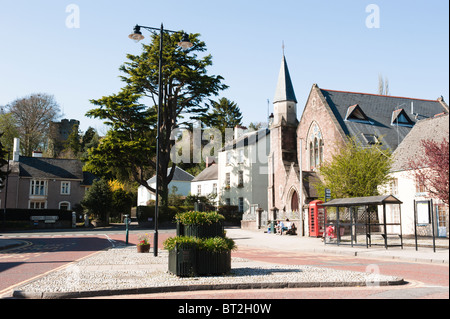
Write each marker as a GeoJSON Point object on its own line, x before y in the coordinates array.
{"type": "Point", "coordinates": [327, 42]}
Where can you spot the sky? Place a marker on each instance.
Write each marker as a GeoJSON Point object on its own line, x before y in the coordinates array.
{"type": "Point", "coordinates": [73, 49]}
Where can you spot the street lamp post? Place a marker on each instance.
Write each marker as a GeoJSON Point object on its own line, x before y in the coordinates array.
{"type": "Point", "coordinates": [184, 44]}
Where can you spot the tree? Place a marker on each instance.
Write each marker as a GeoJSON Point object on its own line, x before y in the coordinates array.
{"type": "Point", "coordinates": [72, 146]}
{"type": "Point", "coordinates": [3, 162]}
{"type": "Point", "coordinates": [9, 131]}
{"type": "Point", "coordinates": [224, 114]}
{"type": "Point", "coordinates": [129, 146]}
{"type": "Point", "coordinates": [98, 200]}
{"type": "Point", "coordinates": [355, 171]}
{"type": "Point", "coordinates": [431, 168]}
{"type": "Point", "coordinates": [33, 115]}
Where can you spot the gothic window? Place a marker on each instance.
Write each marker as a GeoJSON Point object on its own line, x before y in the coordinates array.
{"type": "Point", "coordinates": [316, 153]}
{"type": "Point", "coordinates": [316, 147]}
{"type": "Point", "coordinates": [321, 151]}
{"type": "Point", "coordinates": [294, 202]}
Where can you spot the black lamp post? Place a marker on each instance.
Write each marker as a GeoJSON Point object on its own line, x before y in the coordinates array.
{"type": "Point", "coordinates": [184, 44]}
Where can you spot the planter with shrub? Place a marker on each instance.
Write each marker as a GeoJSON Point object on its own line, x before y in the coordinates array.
{"type": "Point", "coordinates": [205, 251]}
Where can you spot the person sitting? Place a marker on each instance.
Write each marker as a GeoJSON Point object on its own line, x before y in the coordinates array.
{"type": "Point", "coordinates": [292, 230]}
{"type": "Point", "coordinates": [279, 228]}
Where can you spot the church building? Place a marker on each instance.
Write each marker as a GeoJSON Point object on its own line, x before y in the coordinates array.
{"type": "Point", "coordinates": [299, 145]}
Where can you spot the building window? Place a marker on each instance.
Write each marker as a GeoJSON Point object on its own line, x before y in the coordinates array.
{"type": "Point", "coordinates": [199, 190]}
{"type": "Point", "coordinates": [37, 205]}
{"type": "Point", "coordinates": [316, 152]}
{"type": "Point", "coordinates": [65, 188]}
{"type": "Point", "coordinates": [64, 206]}
{"type": "Point", "coordinates": [241, 204]}
{"type": "Point", "coordinates": [240, 179]}
{"type": "Point", "coordinates": [241, 156]}
{"type": "Point", "coordinates": [394, 186]}
{"type": "Point", "coordinates": [214, 188]}
{"type": "Point", "coordinates": [311, 156]}
{"type": "Point", "coordinates": [321, 151]}
{"type": "Point", "coordinates": [420, 188]}
{"type": "Point", "coordinates": [229, 155]}
{"type": "Point", "coordinates": [227, 181]}
{"type": "Point", "coordinates": [227, 202]}
{"type": "Point", "coordinates": [38, 188]}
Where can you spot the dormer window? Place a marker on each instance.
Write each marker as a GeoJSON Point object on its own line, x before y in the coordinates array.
{"type": "Point", "coordinates": [371, 139]}
{"type": "Point", "coordinates": [356, 114]}
{"type": "Point", "coordinates": [400, 118]}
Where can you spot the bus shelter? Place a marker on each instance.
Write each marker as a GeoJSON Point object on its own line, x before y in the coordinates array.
{"type": "Point", "coordinates": [374, 220]}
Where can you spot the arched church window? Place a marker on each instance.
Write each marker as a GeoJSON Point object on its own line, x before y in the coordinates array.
{"type": "Point", "coordinates": [294, 202]}
{"type": "Point", "coordinates": [321, 151]}
{"type": "Point", "coordinates": [316, 153]}
{"type": "Point", "coordinates": [311, 155]}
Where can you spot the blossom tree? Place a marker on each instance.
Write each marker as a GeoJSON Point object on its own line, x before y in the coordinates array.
{"type": "Point", "coordinates": [431, 169]}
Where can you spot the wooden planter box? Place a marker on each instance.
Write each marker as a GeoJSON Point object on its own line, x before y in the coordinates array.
{"type": "Point", "coordinates": [190, 262]}
{"type": "Point", "coordinates": [201, 231]}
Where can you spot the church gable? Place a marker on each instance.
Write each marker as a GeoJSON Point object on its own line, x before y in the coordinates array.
{"type": "Point", "coordinates": [319, 132]}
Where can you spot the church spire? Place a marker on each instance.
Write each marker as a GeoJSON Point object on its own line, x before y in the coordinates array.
{"type": "Point", "coordinates": [285, 89]}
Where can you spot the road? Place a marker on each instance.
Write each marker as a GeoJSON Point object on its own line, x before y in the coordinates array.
{"type": "Point", "coordinates": [47, 252]}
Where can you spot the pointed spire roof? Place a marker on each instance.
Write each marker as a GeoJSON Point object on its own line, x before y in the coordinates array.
{"type": "Point", "coordinates": [285, 89]}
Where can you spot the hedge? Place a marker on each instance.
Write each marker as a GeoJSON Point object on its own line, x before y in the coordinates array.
{"type": "Point", "coordinates": [143, 213]}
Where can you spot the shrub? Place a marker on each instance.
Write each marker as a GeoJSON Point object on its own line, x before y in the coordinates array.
{"type": "Point", "coordinates": [214, 244]}
{"type": "Point", "coordinates": [198, 218]}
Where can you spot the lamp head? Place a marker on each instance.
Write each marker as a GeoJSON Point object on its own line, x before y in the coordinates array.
{"type": "Point", "coordinates": [185, 43]}
{"type": "Point", "coordinates": [137, 35]}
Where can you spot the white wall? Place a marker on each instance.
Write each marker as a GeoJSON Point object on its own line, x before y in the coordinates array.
{"type": "Point", "coordinates": [254, 167]}
{"type": "Point", "coordinates": [144, 195]}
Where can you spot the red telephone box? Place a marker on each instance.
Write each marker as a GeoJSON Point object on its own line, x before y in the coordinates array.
{"type": "Point", "coordinates": [316, 218]}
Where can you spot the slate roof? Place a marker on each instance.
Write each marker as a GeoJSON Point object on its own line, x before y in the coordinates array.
{"type": "Point", "coordinates": [380, 111]}
{"type": "Point", "coordinates": [285, 89]}
{"type": "Point", "coordinates": [370, 200]}
{"type": "Point", "coordinates": [50, 168]}
{"type": "Point", "coordinates": [180, 175]}
{"type": "Point", "coordinates": [208, 174]}
{"type": "Point", "coordinates": [435, 129]}
{"type": "Point", "coordinates": [246, 139]}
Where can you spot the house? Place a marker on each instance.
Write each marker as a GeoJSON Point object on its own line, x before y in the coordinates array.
{"type": "Point", "coordinates": [44, 183]}
{"type": "Point", "coordinates": [405, 187]}
{"type": "Point", "coordinates": [329, 116]}
{"type": "Point", "coordinates": [180, 185]}
{"type": "Point", "coordinates": [206, 183]}
{"type": "Point", "coordinates": [242, 170]}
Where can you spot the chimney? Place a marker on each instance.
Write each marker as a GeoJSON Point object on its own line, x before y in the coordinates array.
{"type": "Point", "coordinates": [16, 149]}
{"type": "Point", "coordinates": [210, 161]}
{"type": "Point", "coordinates": [239, 131]}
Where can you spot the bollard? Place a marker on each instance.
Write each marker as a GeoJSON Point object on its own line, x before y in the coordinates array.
{"type": "Point", "coordinates": [126, 228]}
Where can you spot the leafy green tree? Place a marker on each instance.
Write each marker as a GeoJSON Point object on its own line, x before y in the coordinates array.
{"type": "Point", "coordinates": [3, 163]}
{"type": "Point", "coordinates": [224, 114]}
{"type": "Point", "coordinates": [72, 146]}
{"type": "Point", "coordinates": [129, 146]}
{"type": "Point", "coordinates": [122, 202]}
{"type": "Point", "coordinates": [8, 128]}
{"type": "Point", "coordinates": [355, 171]}
{"type": "Point", "coordinates": [98, 200]}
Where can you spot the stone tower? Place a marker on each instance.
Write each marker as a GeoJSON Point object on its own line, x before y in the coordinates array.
{"type": "Point", "coordinates": [58, 134]}
{"type": "Point", "coordinates": [283, 140]}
